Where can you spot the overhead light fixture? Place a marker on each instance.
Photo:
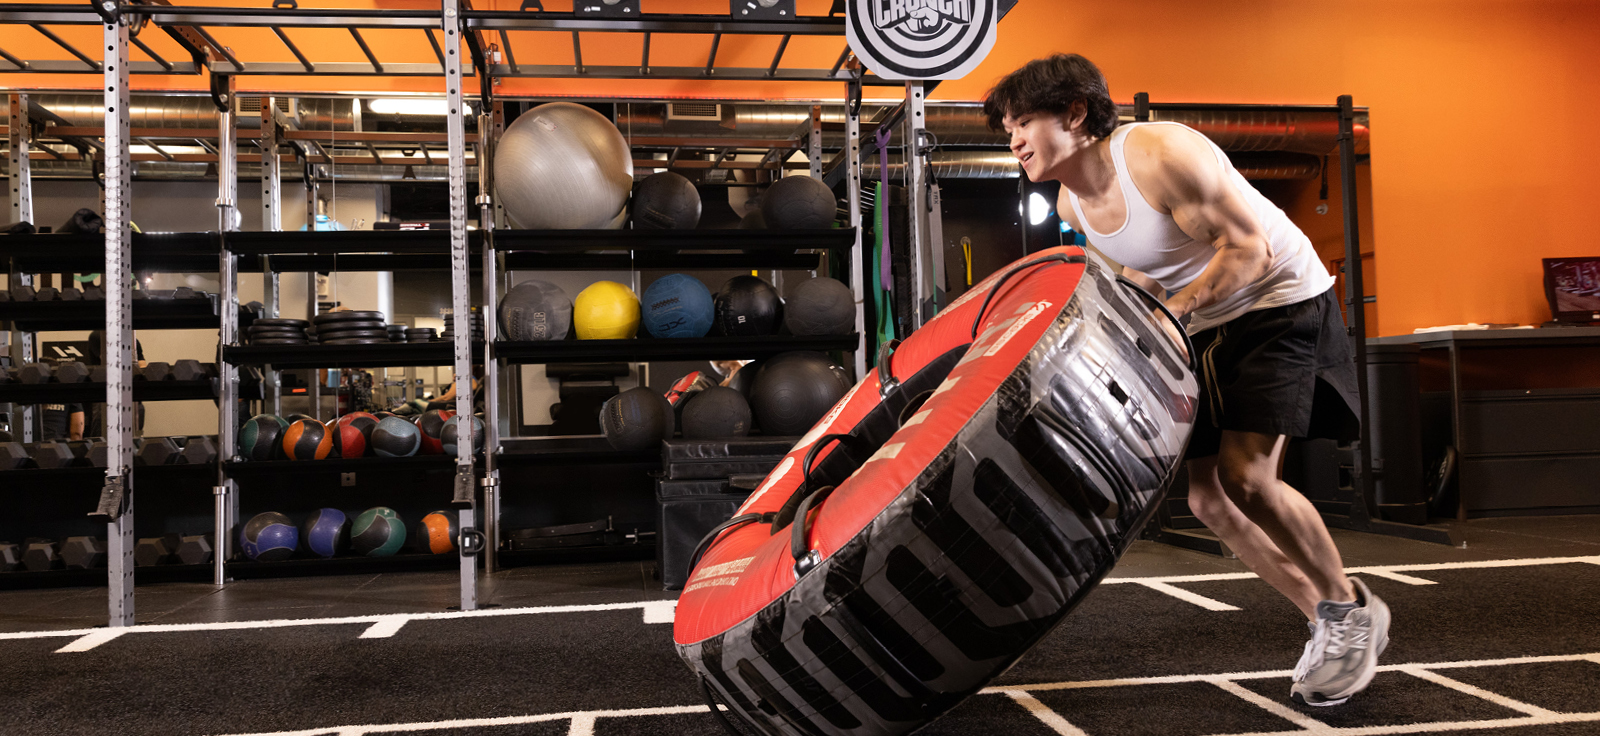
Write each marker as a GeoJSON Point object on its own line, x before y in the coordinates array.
{"type": "Point", "coordinates": [1038, 209]}
{"type": "Point", "coordinates": [409, 106]}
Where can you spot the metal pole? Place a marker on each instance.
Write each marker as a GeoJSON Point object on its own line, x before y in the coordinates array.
{"type": "Point", "coordinates": [314, 391]}
{"type": "Point", "coordinates": [917, 182]}
{"type": "Point", "coordinates": [21, 135]}
{"type": "Point", "coordinates": [814, 145]}
{"type": "Point", "coordinates": [460, 295]}
{"type": "Point", "coordinates": [272, 222]}
{"type": "Point", "coordinates": [1355, 301]}
{"type": "Point", "coordinates": [489, 127]}
{"type": "Point", "coordinates": [116, 500]}
{"type": "Point", "coordinates": [224, 492]}
{"type": "Point", "coordinates": [852, 163]}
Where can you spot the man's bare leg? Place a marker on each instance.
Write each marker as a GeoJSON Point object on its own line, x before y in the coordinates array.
{"type": "Point", "coordinates": [1211, 505]}
{"type": "Point", "coordinates": [1247, 468]}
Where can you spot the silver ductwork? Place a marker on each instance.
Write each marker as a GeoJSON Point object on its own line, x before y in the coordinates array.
{"type": "Point", "coordinates": [250, 172]}
{"type": "Point", "coordinates": [1268, 129]}
{"type": "Point", "coordinates": [994, 165]}
{"type": "Point", "coordinates": [194, 112]}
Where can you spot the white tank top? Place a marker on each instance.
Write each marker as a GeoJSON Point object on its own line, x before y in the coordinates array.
{"type": "Point", "coordinates": [1152, 242]}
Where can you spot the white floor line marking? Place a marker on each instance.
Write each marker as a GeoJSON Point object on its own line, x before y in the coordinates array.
{"type": "Point", "coordinates": [385, 627]}
{"type": "Point", "coordinates": [1043, 712]}
{"type": "Point", "coordinates": [591, 715]}
{"type": "Point", "coordinates": [1370, 569]}
{"type": "Point", "coordinates": [1268, 674]}
{"type": "Point", "coordinates": [92, 639]}
{"type": "Point", "coordinates": [660, 612]}
{"type": "Point", "coordinates": [1210, 604]}
{"type": "Point", "coordinates": [1399, 577]}
{"type": "Point", "coordinates": [1478, 692]}
{"type": "Point", "coordinates": [1409, 728]}
{"type": "Point", "coordinates": [582, 725]}
{"type": "Point", "coordinates": [1277, 708]}
{"type": "Point", "coordinates": [653, 612]}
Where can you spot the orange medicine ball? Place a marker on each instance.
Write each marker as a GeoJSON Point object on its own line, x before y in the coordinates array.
{"type": "Point", "coordinates": [307, 439]}
{"type": "Point", "coordinates": [436, 533]}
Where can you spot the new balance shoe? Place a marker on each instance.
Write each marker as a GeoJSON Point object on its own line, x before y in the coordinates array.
{"type": "Point", "coordinates": [1342, 656]}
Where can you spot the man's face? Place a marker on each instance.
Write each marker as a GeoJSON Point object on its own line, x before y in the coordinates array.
{"type": "Point", "coordinates": [1041, 141]}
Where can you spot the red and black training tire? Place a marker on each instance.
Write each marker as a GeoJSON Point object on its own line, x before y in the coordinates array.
{"type": "Point", "coordinates": [980, 489]}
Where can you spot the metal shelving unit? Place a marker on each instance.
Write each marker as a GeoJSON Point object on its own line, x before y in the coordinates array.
{"type": "Point", "coordinates": [463, 41]}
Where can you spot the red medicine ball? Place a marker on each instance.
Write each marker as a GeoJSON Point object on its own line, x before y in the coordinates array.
{"type": "Point", "coordinates": [348, 441]}
{"type": "Point", "coordinates": [431, 424]}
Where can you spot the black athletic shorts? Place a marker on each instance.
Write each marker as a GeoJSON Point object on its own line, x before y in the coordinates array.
{"type": "Point", "coordinates": [1280, 371]}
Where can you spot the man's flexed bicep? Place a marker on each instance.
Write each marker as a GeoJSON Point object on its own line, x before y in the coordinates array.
{"type": "Point", "coordinates": [1177, 167]}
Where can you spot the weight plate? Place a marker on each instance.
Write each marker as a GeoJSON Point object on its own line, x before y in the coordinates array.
{"type": "Point", "coordinates": [353, 325]}
{"type": "Point", "coordinates": [279, 322]}
{"type": "Point", "coordinates": [349, 317]}
{"type": "Point", "coordinates": [279, 341]}
{"type": "Point", "coordinates": [350, 335]}
{"type": "Point", "coordinates": [358, 341]}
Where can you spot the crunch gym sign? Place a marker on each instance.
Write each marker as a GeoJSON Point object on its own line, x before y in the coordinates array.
{"type": "Point", "coordinates": [921, 39]}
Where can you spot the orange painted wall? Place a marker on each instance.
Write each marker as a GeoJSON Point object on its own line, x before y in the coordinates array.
{"type": "Point", "coordinates": [1483, 113]}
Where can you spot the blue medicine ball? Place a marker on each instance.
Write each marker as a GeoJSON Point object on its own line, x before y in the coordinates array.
{"type": "Point", "coordinates": [327, 532]}
{"type": "Point", "coordinates": [677, 305]}
{"type": "Point", "coordinates": [269, 537]}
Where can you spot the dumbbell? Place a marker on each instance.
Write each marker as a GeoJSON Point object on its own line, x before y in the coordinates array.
{"type": "Point", "coordinates": [50, 454]}
{"type": "Point", "coordinates": [71, 294]}
{"type": "Point", "coordinates": [34, 373]}
{"type": "Point", "coordinates": [40, 555]}
{"type": "Point", "coordinates": [195, 550]}
{"type": "Point", "coordinates": [200, 451]}
{"type": "Point", "coordinates": [157, 451]}
{"type": "Point", "coordinates": [13, 455]}
{"type": "Point", "coordinates": [10, 557]}
{"type": "Point", "coordinates": [46, 294]}
{"type": "Point", "coordinates": [83, 553]}
{"type": "Point", "coordinates": [189, 370]}
{"type": "Point", "coordinates": [99, 454]}
{"type": "Point", "coordinates": [184, 292]}
{"type": "Point", "coordinates": [72, 372]}
{"type": "Point", "coordinates": [94, 294]}
{"type": "Point", "coordinates": [162, 550]}
{"type": "Point", "coordinates": [156, 371]}
{"type": "Point", "coordinates": [97, 374]}
{"type": "Point", "coordinates": [23, 294]}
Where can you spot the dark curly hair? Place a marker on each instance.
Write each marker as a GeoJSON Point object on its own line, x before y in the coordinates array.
{"type": "Point", "coordinates": [1051, 85]}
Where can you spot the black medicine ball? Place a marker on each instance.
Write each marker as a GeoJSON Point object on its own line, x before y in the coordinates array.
{"type": "Point", "coordinates": [747, 307]}
{"type": "Point", "coordinates": [821, 306]}
{"type": "Point", "coordinates": [794, 390]}
{"type": "Point", "coordinates": [666, 201]}
{"type": "Point", "coordinates": [718, 411]}
{"type": "Point", "coordinates": [636, 419]}
{"type": "Point", "coordinates": [798, 203]}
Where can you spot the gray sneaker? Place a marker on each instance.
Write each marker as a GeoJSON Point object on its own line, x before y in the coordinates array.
{"type": "Point", "coordinates": [1342, 656]}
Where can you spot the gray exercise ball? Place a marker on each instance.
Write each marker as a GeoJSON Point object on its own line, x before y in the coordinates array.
{"type": "Point", "coordinates": [563, 166]}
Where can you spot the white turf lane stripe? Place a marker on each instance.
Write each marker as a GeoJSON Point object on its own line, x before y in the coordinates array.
{"type": "Point", "coordinates": [1399, 577]}
{"type": "Point", "coordinates": [575, 716]}
{"type": "Point", "coordinates": [1044, 713]}
{"type": "Point", "coordinates": [1477, 692]}
{"type": "Point", "coordinates": [1380, 570]}
{"type": "Point", "coordinates": [1268, 674]}
{"type": "Point", "coordinates": [1410, 728]}
{"type": "Point", "coordinates": [1277, 708]}
{"type": "Point", "coordinates": [1210, 604]}
{"type": "Point", "coordinates": [380, 625]}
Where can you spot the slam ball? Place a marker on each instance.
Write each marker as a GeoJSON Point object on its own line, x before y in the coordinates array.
{"type": "Point", "coordinates": [269, 537]}
{"type": "Point", "coordinates": [327, 532]}
{"type": "Point", "coordinates": [636, 419]}
{"type": "Point", "coordinates": [362, 422]}
{"type": "Point", "coordinates": [563, 166]}
{"type": "Point", "coordinates": [794, 390]}
{"type": "Point", "coordinates": [606, 310]}
{"type": "Point", "coordinates": [798, 203]}
{"type": "Point", "coordinates": [821, 306]}
{"type": "Point", "coordinates": [718, 411]}
{"type": "Point", "coordinates": [377, 532]}
{"type": "Point", "coordinates": [307, 439]}
{"type": "Point", "coordinates": [747, 307]}
{"type": "Point", "coordinates": [258, 438]}
{"type": "Point", "coordinates": [666, 201]}
{"type": "Point", "coordinates": [396, 437]}
{"type": "Point", "coordinates": [535, 310]}
{"type": "Point", "coordinates": [436, 533]}
{"type": "Point", "coordinates": [677, 305]}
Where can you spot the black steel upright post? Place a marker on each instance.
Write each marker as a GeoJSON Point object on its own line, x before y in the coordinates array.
{"type": "Point", "coordinates": [225, 492]}
{"type": "Point", "coordinates": [1355, 306]}
{"type": "Point", "coordinates": [460, 292]}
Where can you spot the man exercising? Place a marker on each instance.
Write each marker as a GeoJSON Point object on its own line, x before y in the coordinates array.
{"type": "Point", "coordinates": [1164, 201]}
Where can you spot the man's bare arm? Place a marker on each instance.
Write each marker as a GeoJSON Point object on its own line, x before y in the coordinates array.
{"type": "Point", "coordinates": [1144, 281]}
{"type": "Point", "coordinates": [1178, 168]}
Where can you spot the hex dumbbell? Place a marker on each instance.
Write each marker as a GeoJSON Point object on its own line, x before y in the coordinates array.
{"type": "Point", "coordinates": [10, 557]}
{"type": "Point", "coordinates": [46, 294]}
{"type": "Point", "coordinates": [195, 550]}
{"type": "Point", "coordinates": [162, 550]}
{"type": "Point", "coordinates": [23, 294]}
{"type": "Point", "coordinates": [72, 372]}
{"type": "Point", "coordinates": [70, 294]}
{"type": "Point", "coordinates": [189, 370]}
{"type": "Point", "coordinates": [83, 553]}
{"type": "Point", "coordinates": [158, 451]}
{"type": "Point", "coordinates": [156, 370]}
{"type": "Point", "coordinates": [94, 294]}
{"type": "Point", "coordinates": [50, 454]}
{"type": "Point", "coordinates": [34, 373]}
{"type": "Point", "coordinates": [41, 555]}
{"type": "Point", "coordinates": [13, 455]}
{"type": "Point", "coordinates": [200, 451]}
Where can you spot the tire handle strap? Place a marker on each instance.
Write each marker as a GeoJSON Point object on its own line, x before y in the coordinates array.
{"type": "Point", "coordinates": [786, 513]}
{"type": "Point", "coordinates": [887, 383]}
{"type": "Point", "coordinates": [1014, 270]}
{"type": "Point", "coordinates": [716, 707]}
{"type": "Point", "coordinates": [1188, 344]}
{"type": "Point", "coordinates": [705, 541]}
{"type": "Point", "coordinates": [805, 557]}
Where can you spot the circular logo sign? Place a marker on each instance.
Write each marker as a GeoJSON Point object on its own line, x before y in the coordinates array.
{"type": "Point", "coordinates": [921, 39]}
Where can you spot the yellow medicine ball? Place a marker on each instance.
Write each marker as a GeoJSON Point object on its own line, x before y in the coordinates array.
{"type": "Point", "coordinates": [606, 310]}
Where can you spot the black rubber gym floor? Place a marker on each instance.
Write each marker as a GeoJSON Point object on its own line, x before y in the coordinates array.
{"type": "Point", "coordinates": [1478, 646]}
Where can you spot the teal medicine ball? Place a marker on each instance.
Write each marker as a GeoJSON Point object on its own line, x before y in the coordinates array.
{"type": "Point", "coordinates": [259, 437]}
{"type": "Point", "coordinates": [377, 532]}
